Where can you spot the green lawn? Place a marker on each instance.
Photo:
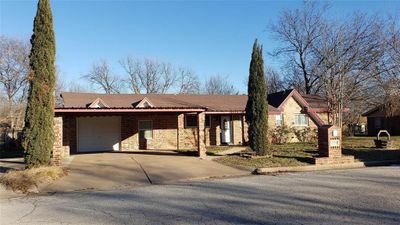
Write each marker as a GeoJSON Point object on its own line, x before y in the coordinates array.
{"type": "Point", "coordinates": [299, 154]}
{"type": "Point", "coordinates": [366, 142]}
{"type": "Point", "coordinates": [363, 149]}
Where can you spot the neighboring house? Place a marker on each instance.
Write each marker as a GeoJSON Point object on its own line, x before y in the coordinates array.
{"type": "Point", "coordinates": [101, 122]}
{"type": "Point", "coordinates": [378, 119]}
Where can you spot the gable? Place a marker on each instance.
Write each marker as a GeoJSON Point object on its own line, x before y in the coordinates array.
{"type": "Point", "coordinates": [98, 103]}
{"type": "Point", "coordinates": [144, 103]}
{"type": "Point", "coordinates": [292, 106]}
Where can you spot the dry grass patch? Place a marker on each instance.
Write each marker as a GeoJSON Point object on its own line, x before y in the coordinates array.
{"type": "Point", "coordinates": [291, 154]}
{"type": "Point", "coordinates": [215, 150]}
{"type": "Point", "coordinates": [26, 181]}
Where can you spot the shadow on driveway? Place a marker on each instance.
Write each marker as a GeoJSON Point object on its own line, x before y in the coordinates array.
{"type": "Point", "coordinates": [108, 171]}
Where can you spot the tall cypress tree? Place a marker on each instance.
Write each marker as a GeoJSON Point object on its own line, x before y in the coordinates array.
{"type": "Point", "coordinates": [257, 105]}
{"type": "Point", "coordinates": [38, 130]}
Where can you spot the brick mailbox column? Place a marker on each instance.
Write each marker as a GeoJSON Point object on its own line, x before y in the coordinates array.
{"type": "Point", "coordinates": [330, 146]}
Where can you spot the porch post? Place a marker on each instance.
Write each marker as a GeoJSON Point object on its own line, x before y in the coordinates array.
{"type": "Point", "coordinates": [242, 124]}
{"type": "Point", "coordinates": [57, 153]}
{"type": "Point", "coordinates": [201, 146]}
{"type": "Point", "coordinates": [181, 126]}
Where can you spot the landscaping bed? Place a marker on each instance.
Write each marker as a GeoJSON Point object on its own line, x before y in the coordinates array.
{"type": "Point", "coordinates": [27, 181]}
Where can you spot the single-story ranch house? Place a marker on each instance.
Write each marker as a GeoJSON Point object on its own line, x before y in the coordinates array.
{"type": "Point", "coordinates": [378, 119]}
{"type": "Point", "coordinates": [88, 122]}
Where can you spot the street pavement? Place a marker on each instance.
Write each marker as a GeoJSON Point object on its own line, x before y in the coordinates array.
{"type": "Point", "coordinates": [356, 196]}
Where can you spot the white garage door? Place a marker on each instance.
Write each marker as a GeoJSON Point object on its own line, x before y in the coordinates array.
{"type": "Point", "coordinates": [98, 133]}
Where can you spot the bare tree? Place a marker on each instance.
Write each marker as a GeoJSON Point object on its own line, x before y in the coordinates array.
{"type": "Point", "coordinates": [218, 85]}
{"type": "Point", "coordinates": [388, 83]}
{"type": "Point", "coordinates": [298, 30]}
{"type": "Point", "coordinates": [349, 53]}
{"type": "Point", "coordinates": [148, 75]}
{"type": "Point", "coordinates": [274, 81]}
{"type": "Point", "coordinates": [187, 81]}
{"type": "Point", "coordinates": [14, 69]}
{"type": "Point", "coordinates": [101, 76]}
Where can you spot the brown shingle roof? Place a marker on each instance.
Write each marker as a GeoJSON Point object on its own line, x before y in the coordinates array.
{"type": "Point", "coordinates": [209, 102]}
{"type": "Point", "coordinates": [315, 101]}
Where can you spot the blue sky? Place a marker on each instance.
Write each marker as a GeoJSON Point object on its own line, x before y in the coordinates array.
{"type": "Point", "coordinates": [210, 37]}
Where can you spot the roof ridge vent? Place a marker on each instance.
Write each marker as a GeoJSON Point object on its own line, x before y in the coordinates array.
{"type": "Point", "coordinates": [98, 103]}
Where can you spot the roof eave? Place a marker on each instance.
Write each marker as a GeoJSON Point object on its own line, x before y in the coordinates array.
{"type": "Point", "coordinates": [124, 110]}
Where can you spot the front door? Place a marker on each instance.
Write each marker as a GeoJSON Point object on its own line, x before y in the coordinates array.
{"type": "Point", "coordinates": [226, 129]}
{"type": "Point", "coordinates": [145, 133]}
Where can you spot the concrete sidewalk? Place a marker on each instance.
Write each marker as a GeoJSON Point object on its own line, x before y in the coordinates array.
{"type": "Point", "coordinates": [110, 171]}
{"type": "Point", "coordinates": [11, 164]}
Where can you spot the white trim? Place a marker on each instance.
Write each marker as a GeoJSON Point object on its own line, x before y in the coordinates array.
{"type": "Point", "coordinates": [144, 101]}
{"type": "Point", "coordinates": [98, 104]}
{"type": "Point", "coordinates": [301, 125]}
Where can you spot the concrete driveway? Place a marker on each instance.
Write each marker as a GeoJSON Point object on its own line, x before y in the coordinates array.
{"type": "Point", "coordinates": [108, 171]}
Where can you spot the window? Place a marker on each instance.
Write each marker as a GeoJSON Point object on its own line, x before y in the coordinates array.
{"type": "Point", "coordinates": [190, 120]}
{"type": "Point", "coordinates": [146, 129]}
{"type": "Point", "coordinates": [278, 120]}
{"type": "Point", "coordinates": [300, 120]}
{"type": "Point", "coordinates": [377, 123]}
{"type": "Point", "coordinates": [208, 119]}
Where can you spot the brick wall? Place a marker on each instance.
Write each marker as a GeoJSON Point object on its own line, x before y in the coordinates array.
{"type": "Point", "coordinates": [168, 129]}
{"type": "Point", "coordinates": [245, 131]}
{"type": "Point", "coordinates": [58, 151]}
{"type": "Point", "coordinates": [187, 135]}
{"type": "Point", "coordinates": [201, 147]}
{"type": "Point", "coordinates": [237, 130]}
{"type": "Point", "coordinates": [69, 133]}
{"type": "Point", "coordinates": [291, 108]}
{"type": "Point", "coordinates": [165, 131]}
{"type": "Point", "coordinates": [215, 130]}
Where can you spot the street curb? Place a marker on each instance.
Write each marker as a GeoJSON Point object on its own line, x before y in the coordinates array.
{"type": "Point", "coordinates": [262, 171]}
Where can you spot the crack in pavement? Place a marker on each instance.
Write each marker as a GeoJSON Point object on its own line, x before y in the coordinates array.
{"type": "Point", "coordinates": [144, 171]}
{"type": "Point", "coordinates": [34, 204]}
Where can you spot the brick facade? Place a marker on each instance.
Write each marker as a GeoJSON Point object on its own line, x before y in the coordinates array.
{"type": "Point", "coordinates": [237, 130]}
{"type": "Point", "coordinates": [165, 131]}
{"type": "Point", "coordinates": [201, 147]}
{"type": "Point", "coordinates": [187, 135]}
{"type": "Point", "coordinates": [60, 151]}
{"type": "Point", "coordinates": [57, 154]}
{"type": "Point", "coordinates": [215, 130]}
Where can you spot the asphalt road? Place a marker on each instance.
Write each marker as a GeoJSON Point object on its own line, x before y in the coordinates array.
{"type": "Point", "coordinates": [357, 196]}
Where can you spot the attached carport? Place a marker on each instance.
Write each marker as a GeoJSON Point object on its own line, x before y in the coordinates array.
{"type": "Point", "coordinates": [100, 130]}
